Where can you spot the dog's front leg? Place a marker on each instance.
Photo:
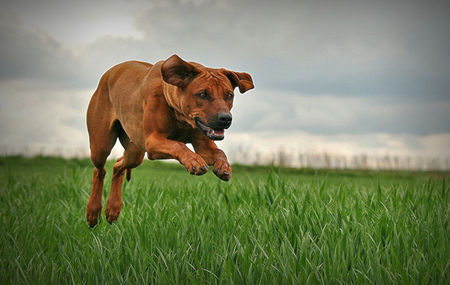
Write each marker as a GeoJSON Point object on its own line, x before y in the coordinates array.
{"type": "Point", "coordinates": [213, 156]}
{"type": "Point", "coordinates": [159, 147]}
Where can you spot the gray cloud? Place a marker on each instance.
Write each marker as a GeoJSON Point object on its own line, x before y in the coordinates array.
{"type": "Point", "coordinates": [358, 48]}
{"type": "Point", "coordinates": [329, 114]}
{"type": "Point", "coordinates": [38, 58]}
{"type": "Point", "coordinates": [339, 47]}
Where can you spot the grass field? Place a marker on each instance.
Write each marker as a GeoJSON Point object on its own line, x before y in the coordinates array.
{"type": "Point", "coordinates": [266, 226]}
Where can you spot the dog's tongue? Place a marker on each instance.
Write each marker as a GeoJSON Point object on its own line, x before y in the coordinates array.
{"type": "Point", "coordinates": [218, 132]}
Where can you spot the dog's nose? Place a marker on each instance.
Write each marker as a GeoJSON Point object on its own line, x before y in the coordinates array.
{"type": "Point", "coordinates": [224, 119]}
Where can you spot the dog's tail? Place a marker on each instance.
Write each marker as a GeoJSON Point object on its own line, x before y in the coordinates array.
{"type": "Point", "coordinates": [128, 174]}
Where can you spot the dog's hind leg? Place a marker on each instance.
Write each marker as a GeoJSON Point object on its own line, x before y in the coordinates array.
{"type": "Point", "coordinates": [102, 128]}
{"type": "Point", "coordinates": [94, 205]}
{"type": "Point", "coordinates": [99, 154]}
{"type": "Point", "coordinates": [132, 157]}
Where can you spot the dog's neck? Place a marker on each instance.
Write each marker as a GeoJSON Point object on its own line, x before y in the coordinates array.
{"type": "Point", "coordinates": [173, 100]}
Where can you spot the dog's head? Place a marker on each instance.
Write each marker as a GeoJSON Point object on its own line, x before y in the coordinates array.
{"type": "Point", "coordinates": [204, 95]}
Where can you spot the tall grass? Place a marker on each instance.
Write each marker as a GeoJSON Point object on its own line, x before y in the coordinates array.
{"type": "Point", "coordinates": [266, 226]}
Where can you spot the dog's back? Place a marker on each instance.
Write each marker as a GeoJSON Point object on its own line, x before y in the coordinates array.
{"type": "Point", "coordinates": [112, 102]}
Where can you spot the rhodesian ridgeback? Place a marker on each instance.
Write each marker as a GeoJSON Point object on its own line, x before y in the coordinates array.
{"type": "Point", "coordinates": [157, 109]}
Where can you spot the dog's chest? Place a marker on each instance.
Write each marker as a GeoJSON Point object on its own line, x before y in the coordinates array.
{"type": "Point", "coordinates": [182, 133]}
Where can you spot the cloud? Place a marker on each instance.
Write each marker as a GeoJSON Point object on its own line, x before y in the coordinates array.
{"type": "Point", "coordinates": [76, 22]}
{"type": "Point", "coordinates": [346, 48]}
{"type": "Point", "coordinates": [36, 57]}
{"type": "Point", "coordinates": [332, 114]}
{"type": "Point", "coordinates": [50, 119]}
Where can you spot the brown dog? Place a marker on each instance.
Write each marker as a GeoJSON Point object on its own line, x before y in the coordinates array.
{"type": "Point", "coordinates": [157, 109]}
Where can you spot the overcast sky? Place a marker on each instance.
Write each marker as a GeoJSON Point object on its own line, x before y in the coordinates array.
{"type": "Point", "coordinates": [328, 70]}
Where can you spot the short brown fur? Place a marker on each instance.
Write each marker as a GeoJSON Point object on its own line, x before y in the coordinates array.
{"type": "Point", "coordinates": [157, 109]}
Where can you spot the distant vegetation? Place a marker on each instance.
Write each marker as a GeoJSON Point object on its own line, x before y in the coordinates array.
{"type": "Point", "coordinates": [269, 225]}
{"type": "Point", "coordinates": [284, 157]}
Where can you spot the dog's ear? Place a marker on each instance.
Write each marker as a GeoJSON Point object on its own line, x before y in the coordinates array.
{"type": "Point", "coordinates": [178, 72]}
{"type": "Point", "coordinates": [241, 79]}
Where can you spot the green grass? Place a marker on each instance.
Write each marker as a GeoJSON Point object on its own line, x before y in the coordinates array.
{"type": "Point", "coordinates": [288, 226]}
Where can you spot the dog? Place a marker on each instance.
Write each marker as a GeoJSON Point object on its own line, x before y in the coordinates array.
{"type": "Point", "coordinates": [157, 109]}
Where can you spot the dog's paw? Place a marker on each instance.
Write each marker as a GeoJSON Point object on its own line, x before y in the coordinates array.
{"type": "Point", "coordinates": [222, 169]}
{"type": "Point", "coordinates": [195, 164]}
{"type": "Point", "coordinates": [93, 214]}
{"type": "Point", "coordinates": [112, 210]}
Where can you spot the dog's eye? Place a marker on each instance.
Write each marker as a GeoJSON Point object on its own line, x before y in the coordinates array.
{"type": "Point", "coordinates": [230, 96]}
{"type": "Point", "coordinates": [202, 95]}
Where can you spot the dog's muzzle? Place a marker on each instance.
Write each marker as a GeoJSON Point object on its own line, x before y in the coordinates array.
{"type": "Point", "coordinates": [215, 131]}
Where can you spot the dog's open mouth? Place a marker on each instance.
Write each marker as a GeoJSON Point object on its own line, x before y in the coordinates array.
{"type": "Point", "coordinates": [214, 134]}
